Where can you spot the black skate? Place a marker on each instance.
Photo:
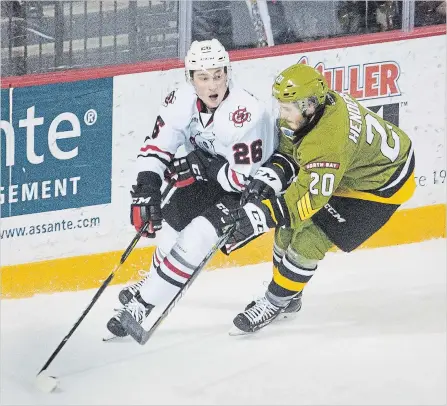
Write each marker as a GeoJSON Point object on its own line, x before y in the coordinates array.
{"type": "Point", "coordinates": [292, 308]}
{"type": "Point", "coordinates": [256, 316]}
{"type": "Point", "coordinates": [127, 294]}
{"type": "Point", "coordinates": [137, 308]}
{"type": "Point", "coordinates": [133, 315]}
{"type": "Point", "coordinates": [115, 327]}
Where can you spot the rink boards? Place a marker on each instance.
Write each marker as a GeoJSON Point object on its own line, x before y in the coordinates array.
{"type": "Point", "coordinates": [69, 146]}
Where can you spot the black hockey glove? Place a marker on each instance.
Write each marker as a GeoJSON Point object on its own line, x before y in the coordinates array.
{"type": "Point", "coordinates": [254, 219]}
{"type": "Point", "coordinates": [271, 179]}
{"type": "Point", "coordinates": [196, 166]}
{"type": "Point", "coordinates": [146, 203]}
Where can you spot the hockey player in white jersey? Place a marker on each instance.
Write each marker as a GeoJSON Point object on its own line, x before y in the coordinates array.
{"type": "Point", "coordinates": [228, 134]}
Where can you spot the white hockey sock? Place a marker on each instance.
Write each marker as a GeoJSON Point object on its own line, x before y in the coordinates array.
{"type": "Point", "coordinates": [193, 244]}
{"type": "Point", "coordinates": [167, 238]}
{"type": "Point", "coordinates": [157, 257]}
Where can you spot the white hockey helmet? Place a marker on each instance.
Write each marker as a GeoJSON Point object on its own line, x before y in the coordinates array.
{"type": "Point", "coordinates": [203, 55]}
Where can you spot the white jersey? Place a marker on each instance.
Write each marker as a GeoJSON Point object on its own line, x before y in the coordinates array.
{"type": "Point", "coordinates": [241, 130]}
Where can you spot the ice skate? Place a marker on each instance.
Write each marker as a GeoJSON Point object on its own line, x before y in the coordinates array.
{"type": "Point", "coordinates": [133, 315]}
{"type": "Point", "coordinates": [127, 294]}
{"type": "Point", "coordinates": [136, 308]}
{"type": "Point", "coordinates": [115, 327]}
{"type": "Point", "coordinates": [256, 316]}
{"type": "Point", "coordinates": [292, 308]}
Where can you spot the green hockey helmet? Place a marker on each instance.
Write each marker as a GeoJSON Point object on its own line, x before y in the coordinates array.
{"type": "Point", "coordinates": [301, 84]}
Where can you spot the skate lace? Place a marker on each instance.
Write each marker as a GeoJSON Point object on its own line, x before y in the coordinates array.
{"type": "Point", "coordinates": [136, 286]}
{"type": "Point", "coordinates": [262, 310]}
{"type": "Point", "coordinates": [119, 313]}
{"type": "Point", "coordinates": [136, 309]}
{"type": "Point", "coordinates": [143, 273]}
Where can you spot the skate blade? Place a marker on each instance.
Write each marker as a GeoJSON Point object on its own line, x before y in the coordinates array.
{"type": "Point", "coordinates": [110, 337]}
{"type": "Point", "coordinates": [113, 338]}
{"type": "Point", "coordinates": [234, 332]}
{"type": "Point", "coordinates": [286, 316]}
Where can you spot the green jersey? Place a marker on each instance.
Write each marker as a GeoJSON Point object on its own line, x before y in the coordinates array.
{"type": "Point", "coordinates": [351, 152]}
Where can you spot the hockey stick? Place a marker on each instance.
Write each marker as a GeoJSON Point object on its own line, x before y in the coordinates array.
{"type": "Point", "coordinates": [258, 24]}
{"type": "Point", "coordinates": [137, 331]}
{"type": "Point", "coordinates": [49, 383]}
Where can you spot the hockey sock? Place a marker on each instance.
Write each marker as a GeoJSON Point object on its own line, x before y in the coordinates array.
{"type": "Point", "coordinates": [290, 276]}
{"type": "Point", "coordinates": [193, 244]}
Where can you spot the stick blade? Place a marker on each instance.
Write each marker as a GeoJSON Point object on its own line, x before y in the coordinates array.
{"type": "Point", "coordinates": [135, 330]}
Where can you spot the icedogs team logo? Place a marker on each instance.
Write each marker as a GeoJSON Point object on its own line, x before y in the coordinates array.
{"type": "Point", "coordinates": [366, 81]}
{"type": "Point", "coordinates": [240, 116]}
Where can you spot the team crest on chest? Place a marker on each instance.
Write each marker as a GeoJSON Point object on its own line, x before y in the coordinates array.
{"type": "Point", "coordinates": [240, 116]}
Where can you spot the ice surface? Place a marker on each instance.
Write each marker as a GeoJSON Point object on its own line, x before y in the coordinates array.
{"type": "Point", "coordinates": [372, 331]}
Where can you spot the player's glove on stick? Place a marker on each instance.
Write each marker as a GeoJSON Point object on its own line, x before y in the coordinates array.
{"type": "Point", "coordinates": [271, 179]}
{"type": "Point", "coordinates": [196, 166]}
{"type": "Point", "coordinates": [254, 219]}
{"type": "Point", "coordinates": [146, 203]}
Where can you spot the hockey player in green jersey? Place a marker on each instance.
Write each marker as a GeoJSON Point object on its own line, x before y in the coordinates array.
{"type": "Point", "coordinates": [351, 172]}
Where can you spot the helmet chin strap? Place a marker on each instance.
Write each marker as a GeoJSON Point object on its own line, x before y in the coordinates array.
{"type": "Point", "coordinates": [309, 118]}
{"type": "Point", "coordinates": [311, 111]}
